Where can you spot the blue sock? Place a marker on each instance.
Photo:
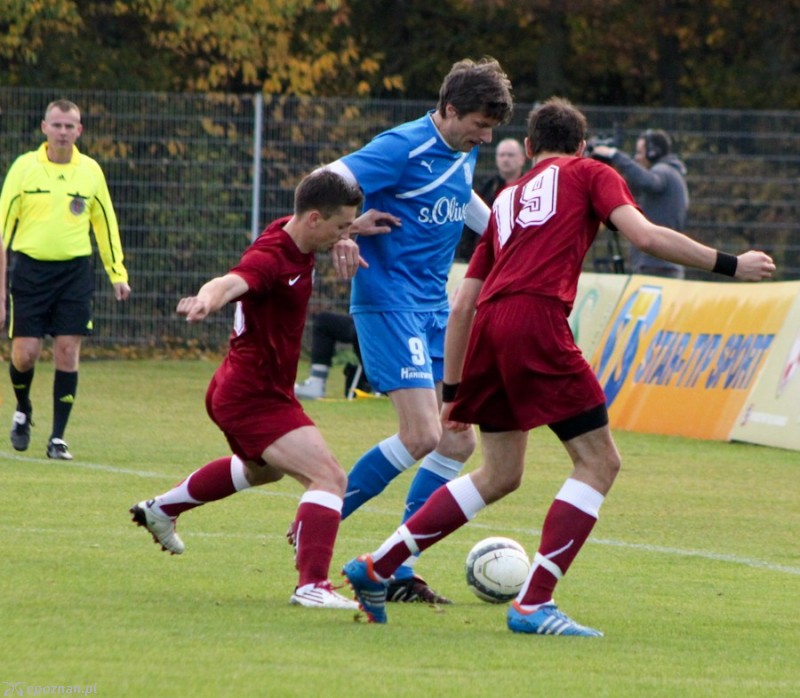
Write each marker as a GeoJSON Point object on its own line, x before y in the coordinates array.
{"type": "Point", "coordinates": [424, 484]}
{"type": "Point", "coordinates": [373, 471]}
{"type": "Point", "coordinates": [435, 471]}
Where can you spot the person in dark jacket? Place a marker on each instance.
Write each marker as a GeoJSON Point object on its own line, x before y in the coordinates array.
{"type": "Point", "coordinates": [510, 161]}
{"type": "Point", "coordinates": [657, 178]}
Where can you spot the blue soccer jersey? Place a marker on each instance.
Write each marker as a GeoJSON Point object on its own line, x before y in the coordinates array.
{"type": "Point", "coordinates": [411, 172]}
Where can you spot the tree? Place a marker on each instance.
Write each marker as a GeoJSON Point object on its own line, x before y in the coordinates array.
{"type": "Point", "coordinates": [677, 53]}
{"type": "Point", "coordinates": [299, 47]}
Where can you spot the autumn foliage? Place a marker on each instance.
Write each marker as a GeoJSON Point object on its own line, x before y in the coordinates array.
{"type": "Point", "coordinates": [719, 53]}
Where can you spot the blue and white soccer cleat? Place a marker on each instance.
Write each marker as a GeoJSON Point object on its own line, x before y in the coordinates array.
{"type": "Point", "coordinates": [547, 620]}
{"type": "Point", "coordinates": [370, 592]}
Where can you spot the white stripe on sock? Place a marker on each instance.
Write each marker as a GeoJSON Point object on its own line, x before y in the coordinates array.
{"type": "Point", "coordinates": [466, 495]}
{"type": "Point", "coordinates": [408, 539]}
{"type": "Point", "coordinates": [177, 495]}
{"type": "Point", "coordinates": [397, 454]}
{"type": "Point", "coordinates": [540, 560]}
{"type": "Point", "coordinates": [581, 496]}
{"type": "Point", "coordinates": [323, 499]}
{"type": "Point", "coordinates": [238, 474]}
{"type": "Point", "coordinates": [444, 467]}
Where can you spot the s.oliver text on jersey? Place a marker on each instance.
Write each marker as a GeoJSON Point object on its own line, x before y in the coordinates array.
{"type": "Point", "coordinates": [445, 210]}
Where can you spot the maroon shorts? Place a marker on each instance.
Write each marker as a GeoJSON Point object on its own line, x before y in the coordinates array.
{"type": "Point", "coordinates": [523, 369]}
{"type": "Point", "coordinates": [251, 422]}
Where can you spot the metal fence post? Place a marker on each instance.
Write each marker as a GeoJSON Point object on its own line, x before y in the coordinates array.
{"type": "Point", "coordinates": [258, 123]}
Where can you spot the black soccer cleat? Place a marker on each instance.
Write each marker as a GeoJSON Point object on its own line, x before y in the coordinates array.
{"type": "Point", "coordinates": [414, 590]}
{"type": "Point", "coordinates": [21, 430]}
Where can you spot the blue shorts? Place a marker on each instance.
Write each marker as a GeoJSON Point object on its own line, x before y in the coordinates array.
{"type": "Point", "coordinates": [402, 349]}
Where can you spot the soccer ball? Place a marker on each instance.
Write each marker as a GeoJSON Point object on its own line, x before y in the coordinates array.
{"type": "Point", "coordinates": [497, 568]}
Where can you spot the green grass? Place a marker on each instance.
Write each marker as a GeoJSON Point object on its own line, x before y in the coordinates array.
{"type": "Point", "coordinates": [693, 571]}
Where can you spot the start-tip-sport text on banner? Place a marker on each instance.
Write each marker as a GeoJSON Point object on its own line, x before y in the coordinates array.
{"type": "Point", "coordinates": [683, 357]}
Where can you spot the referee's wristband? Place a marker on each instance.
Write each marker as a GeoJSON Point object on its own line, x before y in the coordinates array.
{"type": "Point", "coordinates": [449, 391]}
{"type": "Point", "coordinates": [726, 264]}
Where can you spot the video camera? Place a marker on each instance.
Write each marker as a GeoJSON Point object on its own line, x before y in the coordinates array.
{"type": "Point", "coordinates": [614, 261]}
{"type": "Point", "coordinates": [591, 143]}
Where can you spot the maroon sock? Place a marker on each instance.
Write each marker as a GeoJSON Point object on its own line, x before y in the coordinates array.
{"type": "Point", "coordinates": [316, 528]}
{"type": "Point", "coordinates": [565, 530]}
{"type": "Point", "coordinates": [436, 519]}
{"type": "Point", "coordinates": [208, 484]}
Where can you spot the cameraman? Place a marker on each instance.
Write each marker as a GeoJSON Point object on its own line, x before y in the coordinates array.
{"type": "Point", "coordinates": [657, 179]}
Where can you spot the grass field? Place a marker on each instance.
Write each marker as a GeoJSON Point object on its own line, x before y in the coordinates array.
{"type": "Point", "coordinates": [693, 571]}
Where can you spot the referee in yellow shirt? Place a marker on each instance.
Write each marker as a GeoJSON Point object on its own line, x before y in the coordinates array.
{"type": "Point", "coordinates": [50, 199]}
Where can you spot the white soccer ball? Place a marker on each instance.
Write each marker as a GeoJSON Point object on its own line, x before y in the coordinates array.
{"type": "Point", "coordinates": [497, 567]}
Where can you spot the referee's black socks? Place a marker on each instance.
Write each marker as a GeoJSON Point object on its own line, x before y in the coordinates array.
{"type": "Point", "coordinates": [21, 382]}
{"type": "Point", "coordinates": [65, 386]}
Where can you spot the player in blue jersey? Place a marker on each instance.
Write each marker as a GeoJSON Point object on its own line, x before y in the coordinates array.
{"type": "Point", "coordinates": [421, 172]}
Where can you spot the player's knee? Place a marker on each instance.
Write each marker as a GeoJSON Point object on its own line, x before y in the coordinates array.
{"type": "Point", "coordinates": [66, 352]}
{"type": "Point", "coordinates": [261, 474]}
{"type": "Point", "coordinates": [24, 358]}
{"type": "Point", "coordinates": [420, 443]}
{"type": "Point", "coordinates": [23, 364]}
{"type": "Point", "coordinates": [603, 470]}
{"type": "Point", "coordinates": [495, 483]}
{"type": "Point", "coordinates": [458, 445]}
{"type": "Point", "coordinates": [509, 483]}
{"type": "Point", "coordinates": [333, 478]}
{"type": "Point", "coordinates": [419, 436]}
{"type": "Point", "coordinates": [612, 467]}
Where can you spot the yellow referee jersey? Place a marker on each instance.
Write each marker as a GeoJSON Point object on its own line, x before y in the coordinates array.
{"type": "Point", "coordinates": [46, 210]}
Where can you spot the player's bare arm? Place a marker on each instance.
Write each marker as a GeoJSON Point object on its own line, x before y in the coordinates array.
{"type": "Point", "coordinates": [374, 222]}
{"type": "Point", "coordinates": [754, 265]}
{"type": "Point", "coordinates": [346, 259]}
{"type": "Point", "coordinates": [212, 296]}
{"type": "Point", "coordinates": [344, 254]}
{"type": "Point", "coordinates": [676, 247]}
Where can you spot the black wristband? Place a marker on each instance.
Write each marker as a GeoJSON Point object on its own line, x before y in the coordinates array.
{"type": "Point", "coordinates": [726, 264]}
{"type": "Point", "coordinates": [449, 391]}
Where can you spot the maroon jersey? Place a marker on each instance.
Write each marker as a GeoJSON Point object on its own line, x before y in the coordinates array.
{"type": "Point", "coordinates": [268, 328]}
{"type": "Point", "coordinates": [542, 227]}
{"type": "Point", "coordinates": [522, 368]}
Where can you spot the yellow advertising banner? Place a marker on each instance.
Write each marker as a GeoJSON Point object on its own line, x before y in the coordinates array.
{"type": "Point", "coordinates": [681, 357]}
{"type": "Point", "coordinates": [595, 302]}
{"type": "Point", "coordinates": [771, 414]}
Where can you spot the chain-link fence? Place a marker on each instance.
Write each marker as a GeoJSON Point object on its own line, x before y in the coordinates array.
{"type": "Point", "coordinates": [180, 169]}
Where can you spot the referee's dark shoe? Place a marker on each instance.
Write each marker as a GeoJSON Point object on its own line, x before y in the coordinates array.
{"type": "Point", "coordinates": [21, 431]}
{"type": "Point", "coordinates": [58, 449]}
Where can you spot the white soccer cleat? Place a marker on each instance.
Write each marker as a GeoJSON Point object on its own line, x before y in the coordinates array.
{"type": "Point", "coordinates": [58, 449]}
{"type": "Point", "coordinates": [321, 595]}
{"type": "Point", "coordinates": [161, 527]}
{"type": "Point", "coordinates": [312, 388]}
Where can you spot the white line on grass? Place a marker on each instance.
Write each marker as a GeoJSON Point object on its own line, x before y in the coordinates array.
{"type": "Point", "coordinates": [663, 550]}
{"type": "Point", "coordinates": [87, 466]}
{"type": "Point", "coordinates": [722, 557]}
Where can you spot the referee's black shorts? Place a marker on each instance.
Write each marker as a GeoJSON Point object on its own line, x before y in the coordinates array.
{"type": "Point", "coordinates": [52, 298]}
